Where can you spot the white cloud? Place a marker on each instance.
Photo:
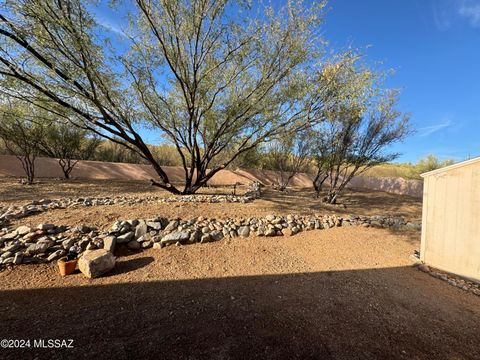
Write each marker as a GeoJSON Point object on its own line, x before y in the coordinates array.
{"type": "Point", "coordinates": [441, 16]}
{"type": "Point", "coordinates": [107, 25]}
{"type": "Point", "coordinates": [429, 130]}
{"type": "Point", "coordinates": [471, 11]}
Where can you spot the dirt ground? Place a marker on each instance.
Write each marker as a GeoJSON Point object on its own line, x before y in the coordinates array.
{"type": "Point", "coordinates": [342, 293]}
{"type": "Point", "coordinates": [296, 201]}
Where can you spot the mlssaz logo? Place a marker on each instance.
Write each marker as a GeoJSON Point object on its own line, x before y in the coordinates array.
{"type": "Point", "coordinates": [53, 343]}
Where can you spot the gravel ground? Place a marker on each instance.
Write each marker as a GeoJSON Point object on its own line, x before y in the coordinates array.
{"type": "Point", "coordinates": [333, 294]}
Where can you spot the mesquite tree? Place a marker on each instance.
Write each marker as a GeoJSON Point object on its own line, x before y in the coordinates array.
{"type": "Point", "coordinates": [290, 155]}
{"type": "Point", "coordinates": [68, 144]}
{"type": "Point", "coordinates": [21, 135]}
{"type": "Point", "coordinates": [358, 130]}
{"type": "Point", "coordinates": [212, 76]}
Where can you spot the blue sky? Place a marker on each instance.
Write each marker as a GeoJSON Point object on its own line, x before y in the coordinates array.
{"type": "Point", "coordinates": [434, 48]}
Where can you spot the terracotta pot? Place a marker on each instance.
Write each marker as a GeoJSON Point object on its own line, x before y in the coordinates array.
{"type": "Point", "coordinates": [66, 267]}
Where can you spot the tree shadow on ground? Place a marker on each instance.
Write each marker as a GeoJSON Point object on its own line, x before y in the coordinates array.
{"type": "Point", "coordinates": [397, 313]}
{"type": "Point", "coordinates": [352, 201]}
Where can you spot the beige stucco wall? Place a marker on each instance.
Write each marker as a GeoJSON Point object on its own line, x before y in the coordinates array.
{"type": "Point", "coordinates": [451, 220]}
{"type": "Point", "coordinates": [46, 167]}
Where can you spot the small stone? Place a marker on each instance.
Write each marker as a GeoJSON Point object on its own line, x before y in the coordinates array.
{"type": "Point", "coordinates": [45, 227]}
{"type": "Point", "coordinates": [270, 217]}
{"type": "Point", "coordinates": [172, 225]}
{"type": "Point", "coordinates": [96, 263]}
{"type": "Point", "coordinates": [271, 232]}
{"type": "Point", "coordinates": [179, 236]}
{"type": "Point", "coordinates": [205, 238]}
{"type": "Point", "coordinates": [84, 229]}
{"type": "Point", "coordinates": [17, 259]}
{"type": "Point", "coordinates": [23, 230]}
{"type": "Point", "coordinates": [67, 244]}
{"type": "Point", "coordinates": [133, 245]}
{"type": "Point", "coordinates": [125, 238]}
{"type": "Point", "coordinates": [39, 247]}
{"type": "Point", "coordinates": [424, 268]}
{"type": "Point", "coordinates": [147, 244]}
{"type": "Point", "coordinates": [287, 232]}
{"type": "Point", "coordinates": [216, 235]}
{"type": "Point", "coordinates": [56, 254]}
{"type": "Point", "coordinates": [156, 225]}
{"type": "Point", "coordinates": [195, 237]}
{"type": "Point", "coordinates": [109, 243]}
{"type": "Point", "coordinates": [141, 230]}
{"type": "Point", "coordinates": [158, 245]}
{"type": "Point", "coordinates": [244, 231]}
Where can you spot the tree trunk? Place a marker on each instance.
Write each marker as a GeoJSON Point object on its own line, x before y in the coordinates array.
{"type": "Point", "coordinates": [28, 164]}
{"type": "Point", "coordinates": [331, 197]}
{"type": "Point", "coordinates": [318, 183]}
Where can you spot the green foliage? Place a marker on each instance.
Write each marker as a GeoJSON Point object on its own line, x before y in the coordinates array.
{"type": "Point", "coordinates": [20, 132]}
{"type": "Point", "coordinates": [67, 143]}
{"type": "Point", "coordinates": [213, 84]}
{"type": "Point", "coordinates": [430, 163]}
{"type": "Point", "coordinates": [409, 170]}
{"type": "Point", "coordinates": [361, 123]}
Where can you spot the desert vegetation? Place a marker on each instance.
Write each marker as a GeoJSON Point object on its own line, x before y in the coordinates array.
{"type": "Point", "coordinates": [231, 86]}
{"type": "Point", "coordinates": [253, 241]}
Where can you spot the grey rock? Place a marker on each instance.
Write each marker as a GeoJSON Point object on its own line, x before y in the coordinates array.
{"type": "Point", "coordinates": [244, 231]}
{"type": "Point", "coordinates": [146, 244]}
{"type": "Point", "coordinates": [12, 247]}
{"type": "Point", "coordinates": [158, 245]}
{"type": "Point", "coordinates": [195, 237]}
{"type": "Point", "coordinates": [109, 243]}
{"type": "Point", "coordinates": [8, 260]}
{"type": "Point", "coordinates": [156, 225]}
{"type": "Point", "coordinates": [125, 238]}
{"type": "Point", "coordinates": [45, 227]}
{"type": "Point", "coordinates": [68, 243]}
{"type": "Point", "coordinates": [56, 254]}
{"type": "Point", "coordinates": [172, 225]}
{"type": "Point", "coordinates": [179, 236]}
{"type": "Point", "coordinates": [141, 230]}
{"type": "Point", "coordinates": [270, 232]}
{"type": "Point", "coordinates": [6, 254]}
{"type": "Point", "coordinates": [133, 245]}
{"type": "Point", "coordinates": [17, 259]}
{"type": "Point", "coordinates": [84, 229]}
{"type": "Point", "coordinates": [424, 268]}
{"type": "Point", "coordinates": [216, 235]}
{"type": "Point", "coordinates": [23, 230]}
{"type": "Point", "coordinates": [39, 247]}
{"type": "Point", "coordinates": [205, 238]}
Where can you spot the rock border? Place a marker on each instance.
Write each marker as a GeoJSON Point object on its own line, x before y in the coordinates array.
{"type": "Point", "coordinates": [16, 212]}
{"type": "Point", "coordinates": [451, 279]}
{"type": "Point", "coordinates": [49, 242]}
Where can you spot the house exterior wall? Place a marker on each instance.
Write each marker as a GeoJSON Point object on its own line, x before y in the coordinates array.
{"type": "Point", "coordinates": [451, 220]}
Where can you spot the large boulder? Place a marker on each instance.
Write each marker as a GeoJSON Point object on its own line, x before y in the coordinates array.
{"type": "Point", "coordinates": [96, 263]}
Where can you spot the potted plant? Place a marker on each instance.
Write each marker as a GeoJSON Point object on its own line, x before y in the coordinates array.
{"type": "Point", "coordinates": [68, 264]}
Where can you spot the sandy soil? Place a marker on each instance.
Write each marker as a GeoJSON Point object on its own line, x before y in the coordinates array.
{"type": "Point", "coordinates": [334, 294]}
{"type": "Point", "coordinates": [296, 201]}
